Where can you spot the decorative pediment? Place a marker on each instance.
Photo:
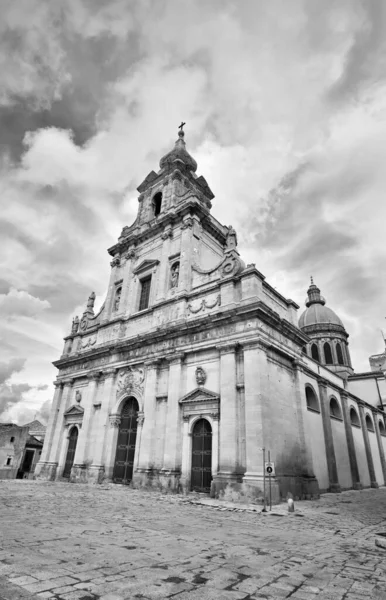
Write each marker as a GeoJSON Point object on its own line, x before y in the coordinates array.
{"type": "Point", "coordinates": [74, 415]}
{"type": "Point", "coordinates": [145, 265]}
{"type": "Point", "coordinates": [200, 394]}
{"type": "Point", "coordinates": [74, 410]}
{"type": "Point", "coordinates": [200, 402]}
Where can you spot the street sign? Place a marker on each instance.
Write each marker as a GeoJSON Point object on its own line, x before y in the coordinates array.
{"type": "Point", "coordinates": [270, 468]}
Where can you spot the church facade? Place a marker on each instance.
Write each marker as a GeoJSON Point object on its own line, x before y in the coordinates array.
{"type": "Point", "coordinates": [195, 364]}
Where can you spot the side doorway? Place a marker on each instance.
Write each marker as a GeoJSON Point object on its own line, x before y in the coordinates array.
{"type": "Point", "coordinates": [73, 440]}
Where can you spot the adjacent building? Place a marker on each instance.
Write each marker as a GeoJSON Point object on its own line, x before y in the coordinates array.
{"type": "Point", "coordinates": [195, 363]}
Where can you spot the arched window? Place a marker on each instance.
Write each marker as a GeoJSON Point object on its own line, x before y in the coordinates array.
{"type": "Point", "coordinates": [354, 418]}
{"type": "Point", "coordinates": [311, 399]}
{"type": "Point", "coordinates": [339, 354]}
{"type": "Point", "coordinates": [327, 354]}
{"type": "Point", "coordinates": [315, 352]}
{"type": "Point", "coordinates": [335, 409]}
{"type": "Point", "coordinates": [157, 201]}
{"type": "Point", "coordinates": [304, 350]}
{"type": "Point", "coordinates": [369, 423]}
{"type": "Point", "coordinates": [382, 429]}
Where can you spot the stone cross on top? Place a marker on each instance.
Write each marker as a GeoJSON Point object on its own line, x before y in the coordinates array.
{"type": "Point", "coordinates": [181, 127]}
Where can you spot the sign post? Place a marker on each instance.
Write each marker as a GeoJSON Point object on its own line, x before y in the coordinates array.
{"type": "Point", "coordinates": [269, 468]}
{"type": "Point", "coordinates": [265, 504]}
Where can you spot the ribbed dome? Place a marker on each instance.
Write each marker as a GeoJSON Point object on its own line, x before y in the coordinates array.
{"type": "Point", "coordinates": [317, 313]}
{"type": "Point", "coordinates": [179, 153]}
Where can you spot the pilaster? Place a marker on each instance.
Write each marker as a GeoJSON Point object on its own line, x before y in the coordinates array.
{"type": "Point", "coordinates": [171, 469]}
{"type": "Point", "coordinates": [369, 456]}
{"type": "Point", "coordinates": [229, 461]}
{"type": "Point", "coordinates": [45, 469]}
{"type": "Point", "coordinates": [78, 471]}
{"type": "Point", "coordinates": [97, 469]}
{"type": "Point", "coordinates": [185, 280]}
{"type": "Point", "coordinates": [380, 445]}
{"type": "Point", "coordinates": [164, 275]}
{"type": "Point", "coordinates": [256, 394]}
{"type": "Point", "coordinates": [328, 439]}
{"type": "Point", "coordinates": [356, 483]}
{"type": "Point", "coordinates": [145, 468]}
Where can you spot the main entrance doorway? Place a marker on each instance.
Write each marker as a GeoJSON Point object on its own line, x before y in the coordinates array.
{"type": "Point", "coordinates": [71, 452]}
{"type": "Point", "coordinates": [124, 458]}
{"type": "Point", "coordinates": [201, 456]}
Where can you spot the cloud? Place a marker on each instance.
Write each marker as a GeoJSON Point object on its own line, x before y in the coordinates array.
{"type": "Point", "coordinates": [8, 369]}
{"type": "Point", "coordinates": [286, 116]}
{"type": "Point", "coordinates": [20, 303]}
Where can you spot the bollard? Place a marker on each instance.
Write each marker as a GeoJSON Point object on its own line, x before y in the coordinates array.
{"type": "Point", "coordinates": [291, 505]}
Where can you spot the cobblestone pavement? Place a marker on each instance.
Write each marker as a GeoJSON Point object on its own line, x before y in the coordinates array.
{"type": "Point", "coordinates": [64, 541]}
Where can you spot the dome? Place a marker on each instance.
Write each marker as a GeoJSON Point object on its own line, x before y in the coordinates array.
{"type": "Point", "coordinates": [316, 312]}
{"type": "Point", "coordinates": [179, 154]}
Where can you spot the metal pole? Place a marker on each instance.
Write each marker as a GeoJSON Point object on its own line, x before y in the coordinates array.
{"type": "Point", "coordinates": [265, 504]}
{"type": "Point", "coordinates": [270, 494]}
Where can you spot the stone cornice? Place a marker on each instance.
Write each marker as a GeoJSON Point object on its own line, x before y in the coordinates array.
{"type": "Point", "coordinates": [194, 325]}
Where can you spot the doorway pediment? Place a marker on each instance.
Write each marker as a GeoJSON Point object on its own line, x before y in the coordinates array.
{"type": "Point", "coordinates": [200, 401]}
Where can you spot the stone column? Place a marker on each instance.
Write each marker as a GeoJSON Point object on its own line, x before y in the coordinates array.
{"type": "Point", "coordinates": [380, 445]}
{"type": "Point", "coordinates": [97, 468]}
{"type": "Point", "coordinates": [215, 446]}
{"type": "Point", "coordinates": [46, 468]}
{"type": "Point", "coordinates": [328, 439]}
{"type": "Point", "coordinates": [114, 422]}
{"type": "Point", "coordinates": [59, 433]}
{"type": "Point", "coordinates": [79, 471]}
{"type": "Point", "coordinates": [373, 480]}
{"type": "Point", "coordinates": [256, 396]}
{"type": "Point", "coordinates": [229, 426]}
{"type": "Point", "coordinates": [356, 483]}
{"type": "Point", "coordinates": [144, 471]}
{"type": "Point", "coordinates": [186, 455]}
{"type": "Point", "coordinates": [171, 469]}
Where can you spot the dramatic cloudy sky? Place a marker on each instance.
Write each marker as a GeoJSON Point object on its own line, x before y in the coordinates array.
{"type": "Point", "coordinates": [285, 104]}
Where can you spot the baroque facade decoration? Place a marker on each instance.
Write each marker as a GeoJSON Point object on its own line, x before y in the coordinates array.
{"type": "Point", "coordinates": [194, 363]}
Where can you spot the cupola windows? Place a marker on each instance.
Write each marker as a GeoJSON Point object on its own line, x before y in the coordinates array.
{"type": "Point", "coordinates": [315, 352]}
{"type": "Point", "coordinates": [327, 354]}
{"type": "Point", "coordinates": [156, 203]}
{"type": "Point", "coordinates": [339, 354]}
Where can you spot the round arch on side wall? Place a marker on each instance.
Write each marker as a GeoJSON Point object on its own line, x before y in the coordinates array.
{"type": "Point", "coordinates": [335, 410]}
{"type": "Point", "coordinates": [381, 426]}
{"type": "Point", "coordinates": [369, 423]}
{"type": "Point", "coordinates": [312, 399]}
{"type": "Point", "coordinates": [354, 417]}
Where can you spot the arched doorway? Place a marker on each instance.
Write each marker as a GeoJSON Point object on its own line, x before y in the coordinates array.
{"type": "Point", "coordinates": [201, 456]}
{"type": "Point", "coordinates": [124, 458]}
{"type": "Point", "coordinates": [73, 439]}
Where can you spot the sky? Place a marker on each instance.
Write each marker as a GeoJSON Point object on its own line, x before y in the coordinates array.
{"type": "Point", "coordinates": [285, 110]}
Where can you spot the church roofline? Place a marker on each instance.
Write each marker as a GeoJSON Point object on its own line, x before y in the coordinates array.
{"type": "Point", "coordinates": [255, 309]}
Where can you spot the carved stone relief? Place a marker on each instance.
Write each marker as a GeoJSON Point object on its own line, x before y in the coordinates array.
{"type": "Point", "coordinates": [209, 302]}
{"type": "Point", "coordinates": [129, 380]}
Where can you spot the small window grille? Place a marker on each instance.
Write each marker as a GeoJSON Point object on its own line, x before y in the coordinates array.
{"type": "Point", "coordinates": [145, 293]}
{"type": "Point", "coordinates": [9, 461]}
{"type": "Point", "coordinates": [12, 439]}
